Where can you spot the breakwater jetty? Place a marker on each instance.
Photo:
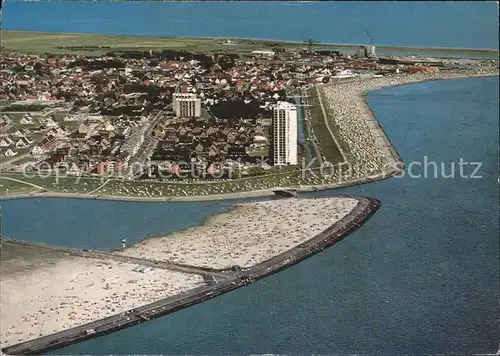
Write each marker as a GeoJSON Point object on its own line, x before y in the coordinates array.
{"type": "Point", "coordinates": [95, 254]}
{"type": "Point", "coordinates": [236, 278]}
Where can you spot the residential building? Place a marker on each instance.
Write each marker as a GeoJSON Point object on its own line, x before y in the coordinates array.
{"type": "Point", "coordinates": [50, 123]}
{"type": "Point", "coordinates": [10, 153]}
{"type": "Point", "coordinates": [186, 105]}
{"type": "Point", "coordinates": [284, 134]}
{"type": "Point", "coordinates": [263, 53]}
{"type": "Point", "coordinates": [370, 52]}
{"type": "Point", "coordinates": [22, 143]}
{"type": "Point", "coordinates": [37, 150]}
{"type": "Point", "coordinates": [26, 120]}
{"type": "Point", "coordinates": [111, 166]}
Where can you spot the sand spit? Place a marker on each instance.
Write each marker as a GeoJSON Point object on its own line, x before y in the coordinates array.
{"type": "Point", "coordinates": [76, 290]}
{"type": "Point", "coordinates": [249, 234]}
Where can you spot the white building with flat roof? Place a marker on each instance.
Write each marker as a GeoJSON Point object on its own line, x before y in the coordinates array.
{"type": "Point", "coordinates": [263, 53]}
{"type": "Point", "coordinates": [186, 105]}
{"type": "Point", "coordinates": [284, 134]}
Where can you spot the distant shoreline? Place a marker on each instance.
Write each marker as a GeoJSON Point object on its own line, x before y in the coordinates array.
{"type": "Point", "coordinates": [277, 41]}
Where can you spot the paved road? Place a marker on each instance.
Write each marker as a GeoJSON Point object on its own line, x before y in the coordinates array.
{"type": "Point", "coordinates": [149, 143]}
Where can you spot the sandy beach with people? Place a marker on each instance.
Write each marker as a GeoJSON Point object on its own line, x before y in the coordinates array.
{"type": "Point", "coordinates": [248, 234]}
{"type": "Point", "coordinates": [370, 152]}
{"type": "Point", "coordinates": [75, 290]}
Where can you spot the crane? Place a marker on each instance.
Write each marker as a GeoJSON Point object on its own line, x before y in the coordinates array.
{"type": "Point", "coordinates": [370, 51]}
{"type": "Point", "coordinates": [370, 37]}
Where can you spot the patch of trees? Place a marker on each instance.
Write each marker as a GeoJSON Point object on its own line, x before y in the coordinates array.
{"type": "Point", "coordinates": [167, 54]}
{"type": "Point", "coordinates": [40, 69]}
{"type": "Point", "coordinates": [79, 62]}
{"type": "Point", "coordinates": [152, 93]}
{"type": "Point", "coordinates": [96, 64]}
{"type": "Point", "coordinates": [99, 80]}
{"type": "Point", "coordinates": [68, 96]}
{"type": "Point", "coordinates": [17, 68]}
{"type": "Point", "coordinates": [129, 110]}
{"type": "Point", "coordinates": [82, 48]}
{"type": "Point", "coordinates": [235, 109]}
{"type": "Point", "coordinates": [327, 53]}
{"type": "Point", "coordinates": [149, 89]}
{"type": "Point", "coordinates": [226, 61]}
{"type": "Point", "coordinates": [33, 107]}
{"type": "Point", "coordinates": [206, 61]}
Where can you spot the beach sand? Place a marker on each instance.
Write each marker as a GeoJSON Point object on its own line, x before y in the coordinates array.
{"type": "Point", "coordinates": [71, 291]}
{"type": "Point", "coordinates": [247, 235]}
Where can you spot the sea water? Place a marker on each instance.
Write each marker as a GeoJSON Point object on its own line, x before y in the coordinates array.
{"type": "Point", "coordinates": [416, 24]}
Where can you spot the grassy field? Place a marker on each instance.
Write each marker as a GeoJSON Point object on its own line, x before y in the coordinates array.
{"type": "Point", "coordinates": [8, 187]}
{"type": "Point", "coordinates": [136, 188]}
{"type": "Point", "coordinates": [57, 184]}
{"type": "Point", "coordinates": [325, 141]}
{"type": "Point", "coordinates": [46, 42]}
{"type": "Point", "coordinates": [58, 43]}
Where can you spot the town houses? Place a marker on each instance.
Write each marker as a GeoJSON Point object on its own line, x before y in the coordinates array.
{"type": "Point", "coordinates": [103, 113]}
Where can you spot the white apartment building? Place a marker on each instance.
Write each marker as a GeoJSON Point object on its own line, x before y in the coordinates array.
{"type": "Point", "coordinates": [186, 105]}
{"type": "Point", "coordinates": [284, 134]}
